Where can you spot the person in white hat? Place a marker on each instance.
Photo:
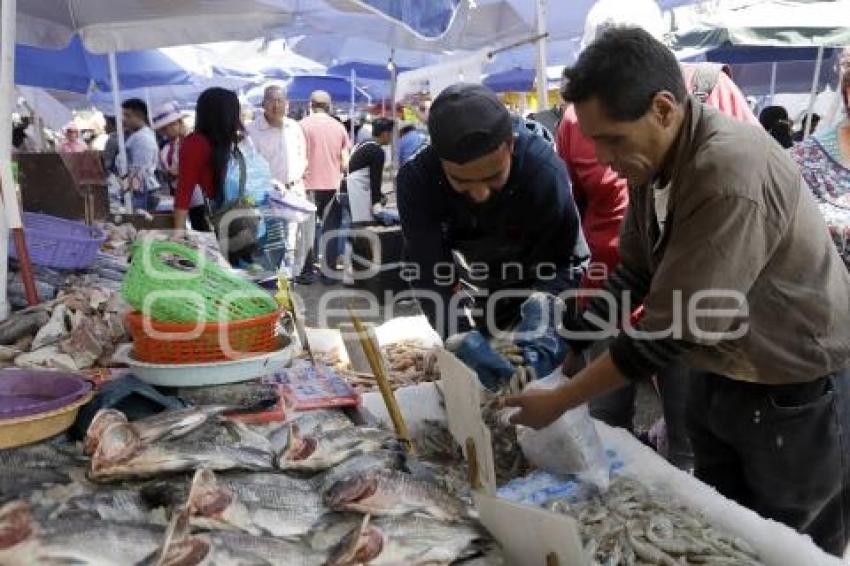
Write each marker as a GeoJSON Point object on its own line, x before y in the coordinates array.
{"type": "Point", "coordinates": [167, 120]}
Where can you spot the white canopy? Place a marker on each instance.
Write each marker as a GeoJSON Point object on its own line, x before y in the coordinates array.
{"type": "Point", "coordinates": [768, 22]}
{"type": "Point", "coordinates": [125, 25]}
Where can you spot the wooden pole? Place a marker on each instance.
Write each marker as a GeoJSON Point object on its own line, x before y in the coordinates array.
{"type": "Point", "coordinates": [474, 474]}
{"type": "Point", "coordinates": [375, 362]}
{"type": "Point", "coordinates": [11, 207]}
{"type": "Point", "coordinates": [813, 95]}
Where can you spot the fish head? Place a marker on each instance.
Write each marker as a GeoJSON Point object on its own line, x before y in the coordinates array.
{"type": "Point", "coordinates": [351, 490]}
{"type": "Point", "coordinates": [361, 545]}
{"type": "Point", "coordinates": [298, 447]}
{"type": "Point", "coordinates": [206, 497]}
{"type": "Point", "coordinates": [118, 443]}
{"type": "Point", "coordinates": [192, 551]}
{"type": "Point", "coordinates": [179, 548]}
{"type": "Point", "coordinates": [16, 525]}
{"type": "Point", "coordinates": [98, 425]}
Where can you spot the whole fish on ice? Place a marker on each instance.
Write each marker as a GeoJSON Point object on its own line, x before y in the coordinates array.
{"type": "Point", "coordinates": [121, 455]}
{"type": "Point", "coordinates": [393, 493]}
{"type": "Point", "coordinates": [322, 451]}
{"type": "Point", "coordinates": [216, 506]}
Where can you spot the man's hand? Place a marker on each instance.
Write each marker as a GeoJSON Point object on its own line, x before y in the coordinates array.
{"type": "Point", "coordinates": [538, 407]}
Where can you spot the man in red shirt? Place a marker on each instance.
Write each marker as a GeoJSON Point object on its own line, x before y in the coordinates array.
{"type": "Point", "coordinates": [327, 158]}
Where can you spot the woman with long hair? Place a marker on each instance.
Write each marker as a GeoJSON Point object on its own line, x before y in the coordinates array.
{"type": "Point", "coordinates": [204, 155]}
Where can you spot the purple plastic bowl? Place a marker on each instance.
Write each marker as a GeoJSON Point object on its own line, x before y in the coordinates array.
{"type": "Point", "coordinates": [26, 392]}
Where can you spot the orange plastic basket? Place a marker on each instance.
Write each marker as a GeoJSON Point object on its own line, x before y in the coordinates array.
{"type": "Point", "coordinates": [162, 342]}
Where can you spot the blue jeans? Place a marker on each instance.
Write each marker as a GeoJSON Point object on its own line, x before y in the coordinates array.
{"type": "Point", "coordinates": [271, 246]}
{"type": "Point", "coordinates": [146, 201]}
{"type": "Point", "coordinates": [338, 219]}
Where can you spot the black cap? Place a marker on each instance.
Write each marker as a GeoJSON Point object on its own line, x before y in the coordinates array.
{"type": "Point", "coordinates": [468, 121]}
{"type": "Point", "coordinates": [381, 125]}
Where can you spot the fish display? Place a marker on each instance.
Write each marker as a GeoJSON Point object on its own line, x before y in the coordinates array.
{"type": "Point", "coordinates": [121, 454]}
{"type": "Point", "coordinates": [167, 425]}
{"type": "Point", "coordinates": [77, 330]}
{"type": "Point", "coordinates": [117, 505]}
{"type": "Point", "coordinates": [412, 540]}
{"type": "Point", "coordinates": [627, 524]}
{"type": "Point", "coordinates": [182, 547]}
{"type": "Point", "coordinates": [55, 452]}
{"type": "Point", "coordinates": [360, 465]}
{"type": "Point", "coordinates": [408, 539]}
{"type": "Point", "coordinates": [393, 493]}
{"type": "Point", "coordinates": [186, 487]}
{"type": "Point", "coordinates": [249, 487]}
{"type": "Point", "coordinates": [258, 509]}
{"type": "Point", "coordinates": [320, 451]}
{"type": "Point", "coordinates": [309, 423]}
{"type": "Point", "coordinates": [25, 541]}
{"type": "Point", "coordinates": [18, 481]}
{"type": "Point", "coordinates": [32, 467]}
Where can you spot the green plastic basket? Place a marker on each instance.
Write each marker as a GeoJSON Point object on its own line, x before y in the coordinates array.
{"type": "Point", "coordinates": [172, 283]}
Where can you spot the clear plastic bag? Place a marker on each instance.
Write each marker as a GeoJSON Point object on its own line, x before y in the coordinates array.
{"type": "Point", "coordinates": [569, 446]}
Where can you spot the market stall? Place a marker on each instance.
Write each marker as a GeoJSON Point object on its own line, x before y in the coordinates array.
{"type": "Point", "coordinates": [158, 406]}
{"type": "Point", "coordinates": [268, 452]}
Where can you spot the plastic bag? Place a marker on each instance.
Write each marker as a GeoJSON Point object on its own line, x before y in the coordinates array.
{"type": "Point", "coordinates": [570, 445]}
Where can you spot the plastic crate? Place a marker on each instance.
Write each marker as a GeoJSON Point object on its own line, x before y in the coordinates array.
{"type": "Point", "coordinates": [59, 243]}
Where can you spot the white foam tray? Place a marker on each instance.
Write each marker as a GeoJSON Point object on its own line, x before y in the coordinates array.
{"type": "Point", "coordinates": [216, 373]}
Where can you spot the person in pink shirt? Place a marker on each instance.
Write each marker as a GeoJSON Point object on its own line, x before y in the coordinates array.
{"type": "Point", "coordinates": [72, 143]}
{"type": "Point", "coordinates": [328, 147]}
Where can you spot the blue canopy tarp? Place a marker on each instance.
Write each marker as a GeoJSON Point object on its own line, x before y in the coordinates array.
{"type": "Point", "coordinates": [371, 71]}
{"type": "Point", "coordinates": [428, 19]}
{"type": "Point", "coordinates": [513, 80]}
{"type": "Point", "coordinates": [299, 88]}
{"type": "Point", "coordinates": [746, 54]}
{"type": "Point", "coordinates": [74, 69]}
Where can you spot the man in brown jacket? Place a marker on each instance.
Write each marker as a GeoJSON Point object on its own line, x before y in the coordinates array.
{"type": "Point", "coordinates": [727, 251]}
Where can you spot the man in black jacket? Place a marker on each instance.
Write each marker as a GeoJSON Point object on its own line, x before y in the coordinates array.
{"type": "Point", "coordinates": [487, 209]}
